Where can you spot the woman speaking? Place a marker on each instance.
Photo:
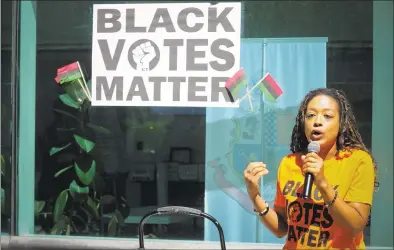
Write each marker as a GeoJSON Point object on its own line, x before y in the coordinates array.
{"type": "Point", "coordinates": [343, 173]}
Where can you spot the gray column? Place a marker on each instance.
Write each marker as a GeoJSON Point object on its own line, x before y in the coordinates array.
{"type": "Point", "coordinates": [382, 122]}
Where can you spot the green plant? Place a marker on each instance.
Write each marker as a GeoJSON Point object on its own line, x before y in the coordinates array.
{"type": "Point", "coordinates": [78, 208]}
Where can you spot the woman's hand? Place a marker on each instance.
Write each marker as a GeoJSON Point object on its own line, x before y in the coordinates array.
{"type": "Point", "coordinates": [252, 174]}
{"type": "Point", "coordinates": [312, 163]}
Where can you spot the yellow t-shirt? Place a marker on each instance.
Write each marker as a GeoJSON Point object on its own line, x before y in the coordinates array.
{"type": "Point", "coordinates": [310, 225]}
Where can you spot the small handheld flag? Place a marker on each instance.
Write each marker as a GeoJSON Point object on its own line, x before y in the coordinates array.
{"type": "Point", "coordinates": [68, 73]}
{"type": "Point", "coordinates": [236, 83]}
{"type": "Point", "coordinates": [270, 88]}
{"type": "Point", "coordinates": [71, 78]}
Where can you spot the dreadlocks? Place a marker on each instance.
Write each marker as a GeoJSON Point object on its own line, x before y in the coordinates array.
{"type": "Point", "coordinates": [348, 137]}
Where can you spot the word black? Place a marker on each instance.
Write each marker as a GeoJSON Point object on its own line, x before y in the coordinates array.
{"type": "Point", "coordinates": [162, 19]}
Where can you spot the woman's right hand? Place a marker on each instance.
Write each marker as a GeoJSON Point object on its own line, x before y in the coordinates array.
{"type": "Point", "coordinates": [252, 174]}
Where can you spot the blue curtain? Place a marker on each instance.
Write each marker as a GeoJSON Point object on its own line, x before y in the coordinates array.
{"type": "Point", "coordinates": [257, 131]}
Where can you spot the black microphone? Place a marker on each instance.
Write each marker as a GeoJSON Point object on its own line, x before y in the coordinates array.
{"type": "Point", "coordinates": [315, 148]}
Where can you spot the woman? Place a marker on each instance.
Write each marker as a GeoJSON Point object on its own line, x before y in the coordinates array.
{"type": "Point", "coordinates": [344, 175]}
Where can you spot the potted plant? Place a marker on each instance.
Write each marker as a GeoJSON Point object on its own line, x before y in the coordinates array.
{"type": "Point", "coordinates": [78, 209]}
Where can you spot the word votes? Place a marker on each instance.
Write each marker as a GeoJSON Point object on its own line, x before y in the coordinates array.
{"type": "Point", "coordinates": [162, 19]}
{"type": "Point", "coordinates": [309, 222]}
{"type": "Point", "coordinates": [111, 61]}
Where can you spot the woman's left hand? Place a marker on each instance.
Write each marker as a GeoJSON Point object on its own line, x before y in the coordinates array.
{"type": "Point", "coordinates": [312, 163]}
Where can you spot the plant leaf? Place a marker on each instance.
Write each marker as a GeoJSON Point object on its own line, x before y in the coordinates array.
{"type": "Point", "coordinates": [54, 150]}
{"type": "Point", "coordinates": [61, 171]}
{"type": "Point", "coordinates": [85, 144]}
{"type": "Point", "coordinates": [67, 100]}
{"type": "Point", "coordinates": [59, 227]}
{"type": "Point", "coordinates": [60, 205]}
{"type": "Point", "coordinates": [92, 208]}
{"type": "Point", "coordinates": [98, 129]}
{"type": "Point", "coordinates": [2, 165]}
{"type": "Point", "coordinates": [74, 188]}
{"type": "Point", "coordinates": [38, 206]}
{"type": "Point", "coordinates": [119, 217]}
{"type": "Point", "coordinates": [112, 226]}
{"type": "Point", "coordinates": [68, 229]}
{"type": "Point", "coordinates": [86, 178]}
{"type": "Point", "coordinates": [79, 194]}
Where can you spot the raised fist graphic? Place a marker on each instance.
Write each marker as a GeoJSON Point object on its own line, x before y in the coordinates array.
{"type": "Point", "coordinates": [295, 212]}
{"type": "Point", "coordinates": [143, 55]}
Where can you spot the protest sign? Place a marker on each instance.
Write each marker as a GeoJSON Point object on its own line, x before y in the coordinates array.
{"type": "Point", "coordinates": [165, 54]}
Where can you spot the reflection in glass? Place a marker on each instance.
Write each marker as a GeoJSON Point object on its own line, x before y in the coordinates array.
{"type": "Point", "coordinates": [108, 166]}
{"type": "Point", "coordinates": [99, 169]}
{"type": "Point", "coordinates": [259, 130]}
{"type": "Point", "coordinates": [78, 208]}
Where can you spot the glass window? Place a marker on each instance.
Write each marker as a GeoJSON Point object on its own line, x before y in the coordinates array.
{"type": "Point", "coordinates": [98, 170]}
{"type": "Point", "coordinates": [142, 157]}
{"type": "Point", "coordinates": [6, 116]}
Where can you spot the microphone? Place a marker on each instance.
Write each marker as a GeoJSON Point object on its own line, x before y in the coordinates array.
{"type": "Point", "coordinates": [315, 148]}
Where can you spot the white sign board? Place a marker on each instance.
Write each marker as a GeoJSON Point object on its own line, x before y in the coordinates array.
{"type": "Point", "coordinates": [167, 54]}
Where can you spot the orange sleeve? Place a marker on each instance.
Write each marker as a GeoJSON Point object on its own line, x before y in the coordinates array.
{"type": "Point", "coordinates": [362, 185]}
{"type": "Point", "coordinates": [280, 200]}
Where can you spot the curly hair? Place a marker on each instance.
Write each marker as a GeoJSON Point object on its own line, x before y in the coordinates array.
{"type": "Point", "coordinates": [348, 137]}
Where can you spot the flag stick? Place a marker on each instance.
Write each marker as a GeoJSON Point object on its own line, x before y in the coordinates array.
{"type": "Point", "coordinates": [251, 90]}
{"type": "Point", "coordinates": [250, 99]}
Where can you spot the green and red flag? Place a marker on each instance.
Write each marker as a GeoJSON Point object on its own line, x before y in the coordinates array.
{"type": "Point", "coordinates": [236, 83]}
{"type": "Point", "coordinates": [270, 88]}
{"type": "Point", "coordinates": [72, 80]}
{"type": "Point", "coordinates": [68, 73]}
